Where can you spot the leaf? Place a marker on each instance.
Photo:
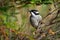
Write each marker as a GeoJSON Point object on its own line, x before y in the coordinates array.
{"type": "Point", "coordinates": [5, 8]}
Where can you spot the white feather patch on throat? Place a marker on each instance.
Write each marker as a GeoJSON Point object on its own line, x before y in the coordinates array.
{"type": "Point", "coordinates": [32, 13]}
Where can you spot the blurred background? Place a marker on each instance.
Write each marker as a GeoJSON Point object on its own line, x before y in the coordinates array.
{"type": "Point", "coordinates": [14, 18]}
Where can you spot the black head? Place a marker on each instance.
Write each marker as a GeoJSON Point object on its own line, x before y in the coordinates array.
{"type": "Point", "coordinates": [35, 12]}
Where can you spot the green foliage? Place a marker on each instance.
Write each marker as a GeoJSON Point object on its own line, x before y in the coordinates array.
{"type": "Point", "coordinates": [37, 1]}
{"type": "Point", "coordinates": [8, 21]}
{"type": "Point", "coordinates": [8, 16]}
{"type": "Point", "coordinates": [5, 8]}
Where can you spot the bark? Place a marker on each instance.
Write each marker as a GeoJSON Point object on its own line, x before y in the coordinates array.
{"type": "Point", "coordinates": [46, 23]}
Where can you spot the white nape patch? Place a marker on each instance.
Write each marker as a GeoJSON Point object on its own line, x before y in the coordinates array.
{"type": "Point", "coordinates": [37, 12]}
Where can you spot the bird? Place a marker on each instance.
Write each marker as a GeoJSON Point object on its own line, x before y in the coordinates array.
{"type": "Point", "coordinates": [35, 18]}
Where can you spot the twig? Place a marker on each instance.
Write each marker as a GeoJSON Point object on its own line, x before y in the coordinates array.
{"type": "Point", "coordinates": [57, 31]}
{"type": "Point", "coordinates": [47, 21]}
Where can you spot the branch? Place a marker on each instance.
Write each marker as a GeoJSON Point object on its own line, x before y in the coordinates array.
{"type": "Point", "coordinates": [46, 23]}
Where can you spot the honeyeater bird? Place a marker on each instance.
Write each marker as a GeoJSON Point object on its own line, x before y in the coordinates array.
{"type": "Point", "coordinates": [35, 18]}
